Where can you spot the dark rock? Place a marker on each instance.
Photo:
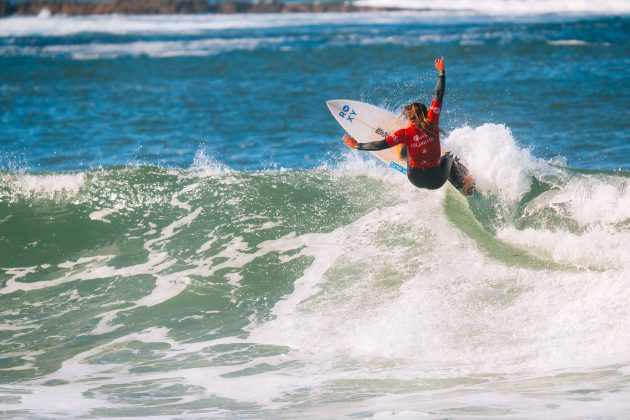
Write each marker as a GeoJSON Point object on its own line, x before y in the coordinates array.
{"type": "Point", "coordinates": [142, 7]}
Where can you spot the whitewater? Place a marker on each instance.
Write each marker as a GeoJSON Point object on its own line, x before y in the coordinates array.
{"type": "Point", "coordinates": [183, 233]}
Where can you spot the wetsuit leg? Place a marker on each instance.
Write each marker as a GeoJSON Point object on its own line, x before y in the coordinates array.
{"type": "Point", "coordinates": [445, 165]}
{"type": "Point", "coordinates": [449, 168]}
{"type": "Point", "coordinates": [459, 177]}
{"type": "Point", "coordinates": [427, 178]}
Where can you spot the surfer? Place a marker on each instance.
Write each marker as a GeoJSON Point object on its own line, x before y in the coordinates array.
{"type": "Point", "coordinates": [426, 168]}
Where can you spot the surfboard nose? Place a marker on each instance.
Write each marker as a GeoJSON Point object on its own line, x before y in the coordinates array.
{"type": "Point", "coordinates": [331, 104]}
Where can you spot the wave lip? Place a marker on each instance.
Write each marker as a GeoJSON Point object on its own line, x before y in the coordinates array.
{"type": "Point", "coordinates": [493, 155]}
{"type": "Point", "coordinates": [42, 185]}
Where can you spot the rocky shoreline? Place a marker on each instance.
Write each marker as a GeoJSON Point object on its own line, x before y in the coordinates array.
{"type": "Point", "coordinates": [147, 7]}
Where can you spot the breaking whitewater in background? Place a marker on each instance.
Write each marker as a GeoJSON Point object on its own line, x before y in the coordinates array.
{"type": "Point", "coordinates": [183, 234]}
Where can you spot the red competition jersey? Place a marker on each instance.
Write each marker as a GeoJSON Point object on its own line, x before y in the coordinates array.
{"type": "Point", "coordinates": [424, 151]}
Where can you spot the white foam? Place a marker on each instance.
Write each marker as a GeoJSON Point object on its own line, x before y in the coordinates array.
{"type": "Point", "coordinates": [94, 269]}
{"type": "Point", "coordinates": [445, 13]}
{"type": "Point", "coordinates": [595, 249]}
{"type": "Point", "coordinates": [575, 42]}
{"type": "Point", "coordinates": [599, 205]}
{"type": "Point", "coordinates": [498, 163]}
{"type": "Point", "coordinates": [598, 199]}
{"type": "Point", "coordinates": [568, 42]}
{"type": "Point", "coordinates": [510, 7]}
{"type": "Point", "coordinates": [176, 202]}
{"type": "Point", "coordinates": [363, 324]}
{"type": "Point", "coordinates": [69, 265]}
{"type": "Point", "coordinates": [155, 49]}
{"type": "Point", "coordinates": [255, 227]}
{"type": "Point", "coordinates": [590, 200]}
{"type": "Point", "coordinates": [103, 213]}
{"type": "Point", "coordinates": [186, 24]}
{"type": "Point", "coordinates": [452, 311]}
{"type": "Point", "coordinates": [45, 185]}
{"type": "Point", "coordinates": [104, 324]}
{"type": "Point", "coordinates": [166, 287]}
{"type": "Point", "coordinates": [356, 163]}
{"type": "Point", "coordinates": [172, 229]}
{"type": "Point", "coordinates": [19, 272]}
{"type": "Point", "coordinates": [205, 165]}
{"type": "Point", "coordinates": [12, 327]}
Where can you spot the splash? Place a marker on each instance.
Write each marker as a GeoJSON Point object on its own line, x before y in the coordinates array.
{"type": "Point", "coordinates": [500, 166]}
{"type": "Point", "coordinates": [205, 165]}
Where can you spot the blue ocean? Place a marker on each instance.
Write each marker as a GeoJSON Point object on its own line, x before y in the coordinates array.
{"type": "Point", "coordinates": [183, 234]}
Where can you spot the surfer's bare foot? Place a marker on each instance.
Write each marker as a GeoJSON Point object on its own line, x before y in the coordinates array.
{"type": "Point", "coordinates": [469, 185]}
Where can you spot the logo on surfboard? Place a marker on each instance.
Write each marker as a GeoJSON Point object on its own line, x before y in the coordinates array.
{"type": "Point", "coordinates": [398, 167]}
{"type": "Point", "coordinates": [347, 113]}
{"type": "Point", "coordinates": [381, 132]}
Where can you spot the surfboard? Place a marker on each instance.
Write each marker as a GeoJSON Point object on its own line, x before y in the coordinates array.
{"type": "Point", "coordinates": [366, 123]}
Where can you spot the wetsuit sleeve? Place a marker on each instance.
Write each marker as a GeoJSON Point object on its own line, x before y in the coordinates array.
{"type": "Point", "coordinates": [436, 105]}
{"type": "Point", "coordinates": [391, 141]}
{"type": "Point", "coordinates": [374, 145]}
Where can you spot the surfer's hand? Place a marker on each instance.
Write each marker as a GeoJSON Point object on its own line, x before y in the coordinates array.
{"type": "Point", "coordinates": [439, 64]}
{"type": "Point", "coordinates": [350, 141]}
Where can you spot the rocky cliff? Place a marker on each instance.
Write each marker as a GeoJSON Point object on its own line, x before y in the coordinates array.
{"type": "Point", "coordinates": [34, 7]}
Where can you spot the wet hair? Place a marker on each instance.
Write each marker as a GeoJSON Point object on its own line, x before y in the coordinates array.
{"type": "Point", "coordinates": [417, 113]}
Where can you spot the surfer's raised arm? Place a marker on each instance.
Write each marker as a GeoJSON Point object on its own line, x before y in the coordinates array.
{"type": "Point", "coordinates": [441, 82]}
{"type": "Point", "coordinates": [416, 112]}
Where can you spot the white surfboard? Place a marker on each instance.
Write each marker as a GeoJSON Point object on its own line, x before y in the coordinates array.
{"type": "Point", "coordinates": [368, 123]}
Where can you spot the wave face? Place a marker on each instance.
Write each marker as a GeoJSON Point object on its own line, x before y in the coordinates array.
{"type": "Point", "coordinates": [183, 234]}
{"type": "Point", "coordinates": [340, 289]}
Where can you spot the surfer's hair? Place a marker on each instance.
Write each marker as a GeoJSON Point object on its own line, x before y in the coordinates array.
{"type": "Point", "coordinates": [418, 115]}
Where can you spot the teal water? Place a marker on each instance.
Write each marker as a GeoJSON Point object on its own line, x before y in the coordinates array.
{"type": "Point", "coordinates": [182, 233]}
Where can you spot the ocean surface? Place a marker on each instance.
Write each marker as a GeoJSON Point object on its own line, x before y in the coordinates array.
{"type": "Point", "coordinates": [183, 234]}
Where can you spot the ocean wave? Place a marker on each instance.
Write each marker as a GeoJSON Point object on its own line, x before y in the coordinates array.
{"type": "Point", "coordinates": [202, 47]}
{"type": "Point", "coordinates": [205, 165]}
{"type": "Point", "coordinates": [215, 46]}
{"type": "Point", "coordinates": [493, 155]}
{"type": "Point", "coordinates": [221, 281]}
{"type": "Point", "coordinates": [576, 42]}
{"type": "Point", "coordinates": [154, 49]}
{"type": "Point", "coordinates": [196, 25]}
{"type": "Point", "coordinates": [509, 7]}
{"type": "Point", "coordinates": [50, 186]}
